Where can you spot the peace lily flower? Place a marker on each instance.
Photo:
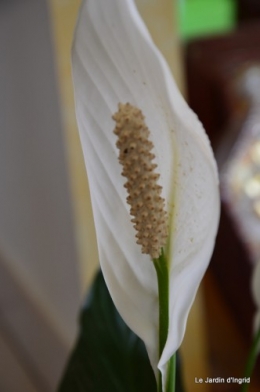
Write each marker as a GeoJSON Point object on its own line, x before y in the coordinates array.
{"type": "Point", "coordinates": [114, 63]}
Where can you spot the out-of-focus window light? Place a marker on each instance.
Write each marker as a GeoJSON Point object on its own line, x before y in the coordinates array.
{"type": "Point", "coordinates": [199, 18]}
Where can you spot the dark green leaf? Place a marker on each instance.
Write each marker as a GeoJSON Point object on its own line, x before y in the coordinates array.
{"type": "Point", "coordinates": [108, 356]}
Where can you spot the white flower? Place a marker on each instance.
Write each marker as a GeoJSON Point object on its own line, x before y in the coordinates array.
{"type": "Point", "coordinates": [115, 61]}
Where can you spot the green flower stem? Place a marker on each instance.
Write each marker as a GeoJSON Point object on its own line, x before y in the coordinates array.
{"type": "Point", "coordinates": [161, 267]}
{"type": "Point", "coordinates": [171, 380]}
{"type": "Point", "coordinates": [251, 359]}
{"type": "Point", "coordinates": [162, 270]}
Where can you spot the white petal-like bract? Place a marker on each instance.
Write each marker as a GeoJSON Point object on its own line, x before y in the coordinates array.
{"type": "Point", "coordinates": [114, 60]}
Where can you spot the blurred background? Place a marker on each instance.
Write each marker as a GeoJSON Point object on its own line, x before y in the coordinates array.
{"type": "Point", "coordinates": [48, 252]}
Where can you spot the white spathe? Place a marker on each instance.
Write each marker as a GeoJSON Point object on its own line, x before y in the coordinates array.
{"type": "Point", "coordinates": [114, 60]}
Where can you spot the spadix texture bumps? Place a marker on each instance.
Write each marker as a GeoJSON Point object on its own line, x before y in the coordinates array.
{"type": "Point", "coordinates": [147, 205]}
{"type": "Point", "coordinates": [115, 60]}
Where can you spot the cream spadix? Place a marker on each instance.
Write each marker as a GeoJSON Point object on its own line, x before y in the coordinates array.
{"type": "Point", "coordinates": [114, 60]}
{"type": "Point", "coordinates": [144, 194]}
